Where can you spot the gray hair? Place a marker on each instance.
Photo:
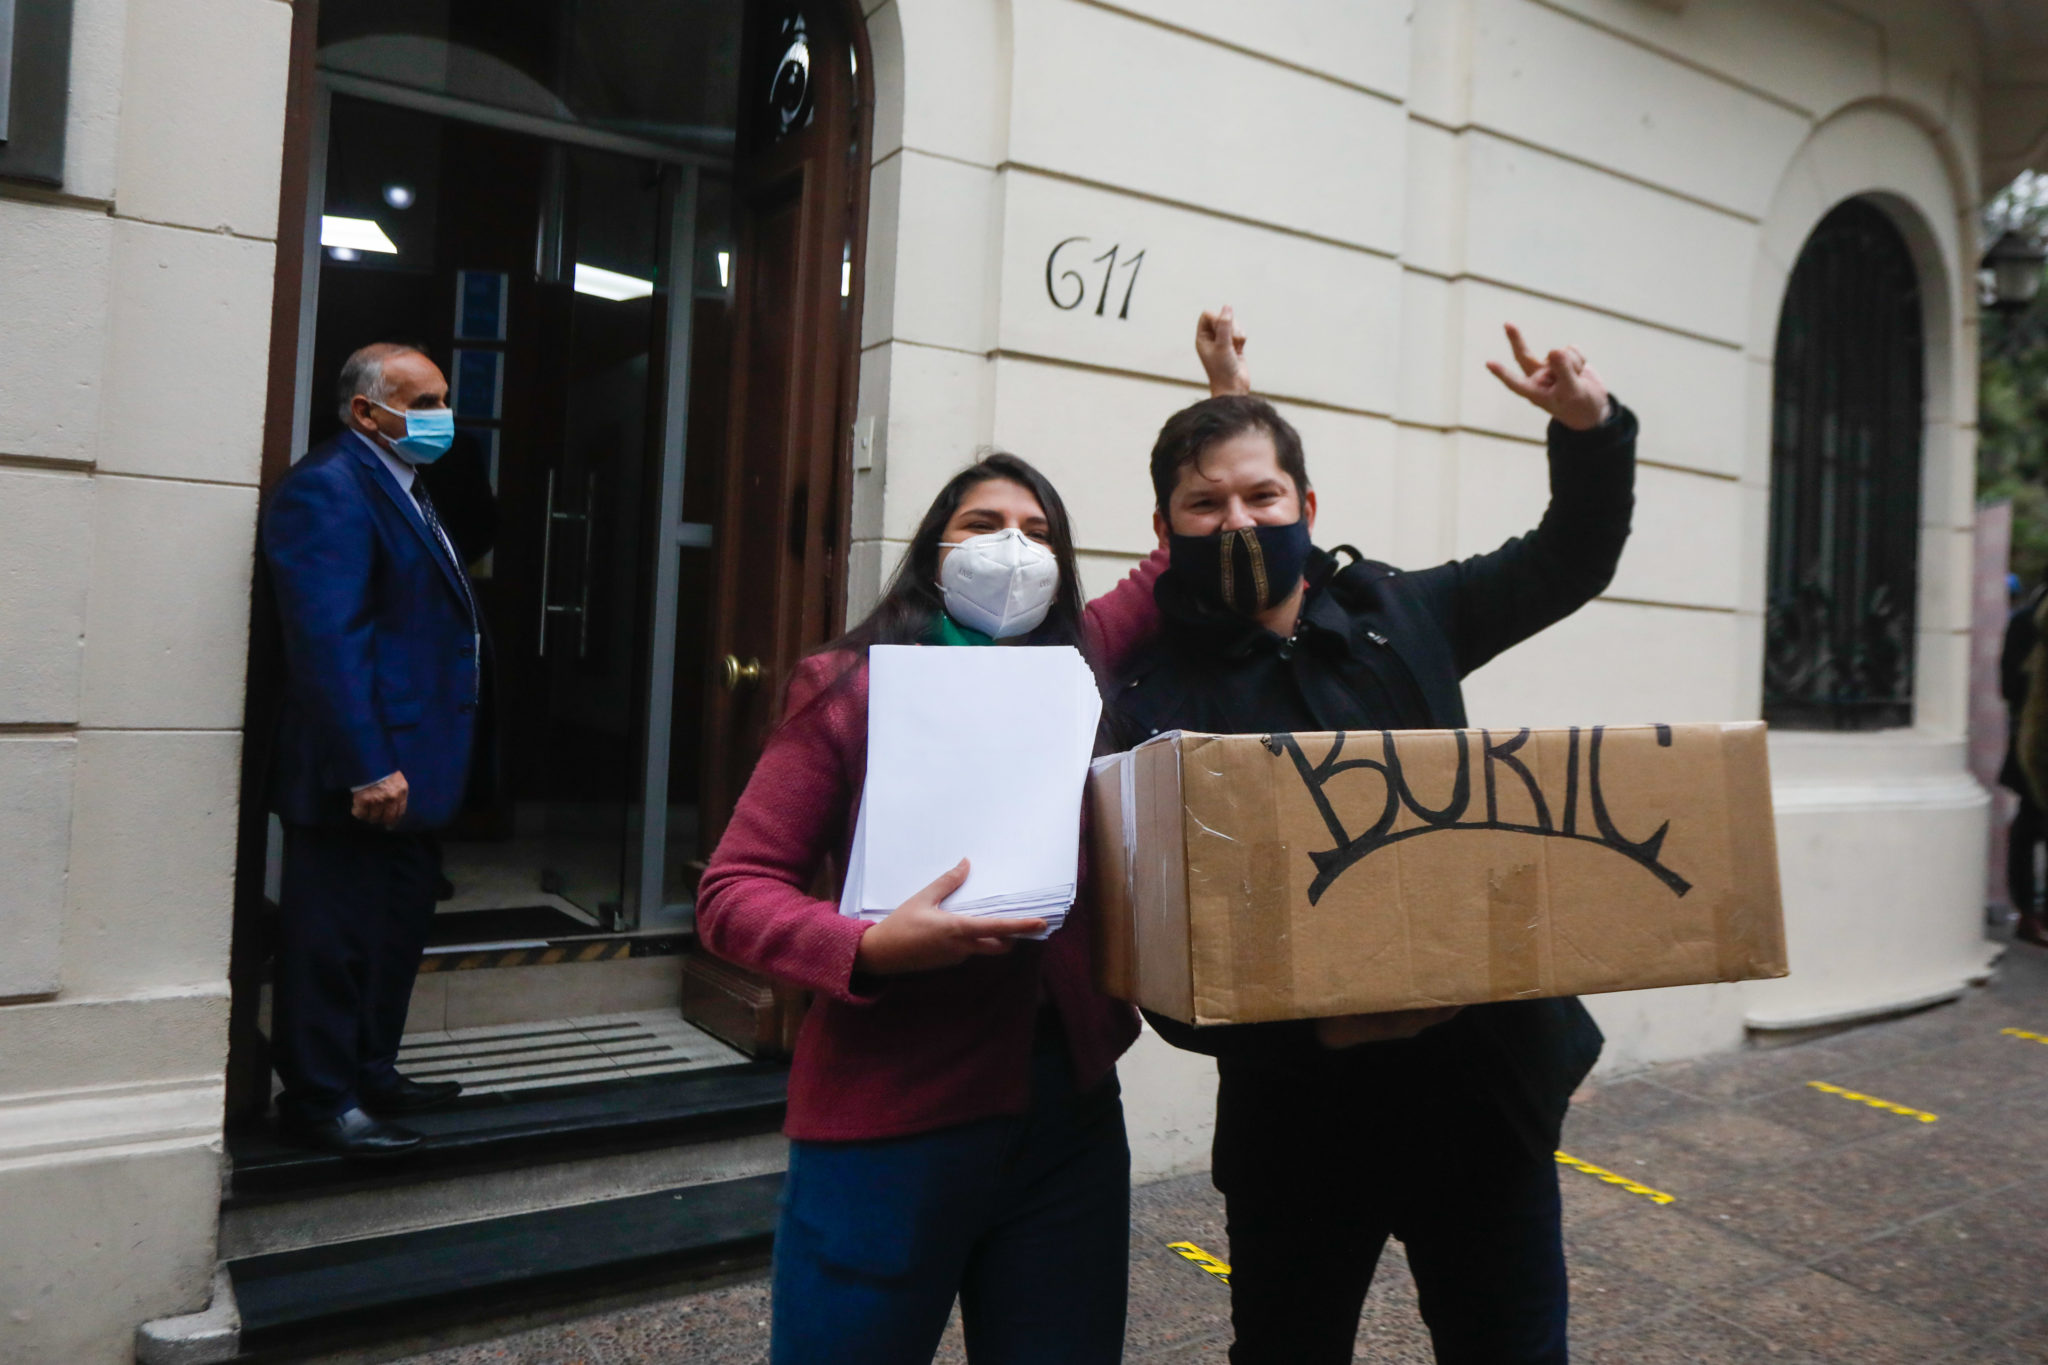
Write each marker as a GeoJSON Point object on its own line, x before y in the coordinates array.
{"type": "Point", "coordinates": [363, 373]}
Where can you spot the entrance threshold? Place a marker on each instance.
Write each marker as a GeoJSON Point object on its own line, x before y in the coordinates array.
{"type": "Point", "coordinates": [504, 1058]}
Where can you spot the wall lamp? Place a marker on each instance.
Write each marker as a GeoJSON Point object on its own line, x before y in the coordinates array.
{"type": "Point", "coordinates": [2015, 262]}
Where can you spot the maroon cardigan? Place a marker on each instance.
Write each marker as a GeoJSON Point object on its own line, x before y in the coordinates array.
{"type": "Point", "coordinates": [885, 1056]}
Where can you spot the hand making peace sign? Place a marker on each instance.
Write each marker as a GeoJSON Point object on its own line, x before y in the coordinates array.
{"type": "Point", "coordinates": [1562, 383]}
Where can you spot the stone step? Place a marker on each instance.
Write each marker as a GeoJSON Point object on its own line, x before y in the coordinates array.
{"type": "Point", "coordinates": [287, 1305]}
{"type": "Point", "coordinates": [528, 1128]}
{"type": "Point", "coordinates": [261, 1227]}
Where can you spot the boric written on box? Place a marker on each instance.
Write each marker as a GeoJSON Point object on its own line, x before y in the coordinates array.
{"type": "Point", "coordinates": [1257, 877]}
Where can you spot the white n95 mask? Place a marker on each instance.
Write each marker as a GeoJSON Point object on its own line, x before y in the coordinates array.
{"type": "Point", "coordinates": [1001, 584]}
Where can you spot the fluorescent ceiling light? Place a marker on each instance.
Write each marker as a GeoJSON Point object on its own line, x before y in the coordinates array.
{"type": "Point", "coordinates": [724, 269]}
{"type": "Point", "coordinates": [398, 196]}
{"type": "Point", "coordinates": [360, 234]}
{"type": "Point", "coordinates": [610, 284]}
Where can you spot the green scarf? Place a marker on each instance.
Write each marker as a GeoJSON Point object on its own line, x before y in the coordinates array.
{"type": "Point", "coordinates": [946, 631]}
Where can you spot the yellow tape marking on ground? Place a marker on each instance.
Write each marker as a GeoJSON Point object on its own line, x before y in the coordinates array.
{"type": "Point", "coordinates": [1201, 1258]}
{"type": "Point", "coordinates": [1612, 1178]}
{"type": "Point", "coordinates": [2022, 1033]}
{"type": "Point", "coordinates": [1874, 1102]}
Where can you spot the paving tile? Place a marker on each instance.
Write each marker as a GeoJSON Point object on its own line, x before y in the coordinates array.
{"type": "Point", "coordinates": [1782, 1214]}
{"type": "Point", "coordinates": [1745, 1075]}
{"type": "Point", "coordinates": [1897, 1039]}
{"type": "Point", "coordinates": [1187, 1208]}
{"type": "Point", "coordinates": [2024, 1112]}
{"type": "Point", "coordinates": [1824, 1319]}
{"type": "Point", "coordinates": [1994, 1353]}
{"type": "Point", "coordinates": [1829, 1118]}
{"type": "Point", "coordinates": [1212, 1352]}
{"type": "Point", "coordinates": [727, 1326]}
{"type": "Point", "coordinates": [1612, 1297]}
{"type": "Point", "coordinates": [1944, 1080]}
{"type": "Point", "coordinates": [1954, 1266]}
{"type": "Point", "coordinates": [2029, 1337]}
{"type": "Point", "coordinates": [1903, 1175]}
{"type": "Point", "coordinates": [1589, 1202]}
{"type": "Point", "coordinates": [1177, 1310]}
{"type": "Point", "coordinates": [1629, 1103]}
{"type": "Point", "coordinates": [1654, 1157]}
{"type": "Point", "coordinates": [1742, 1139]}
{"type": "Point", "coordinates": [1679, 1249]}
{"type": "Point", "coordinates": [1175, 1306]}
{"type": "Point", "coordinates": [568, 1343]}
{"type": "Point", "coordinates": [1390, 1329]}
{"type": "Point", "coordinates": [1687, 1337]}
{"type": "Point", "coordinates": [953, 1345]}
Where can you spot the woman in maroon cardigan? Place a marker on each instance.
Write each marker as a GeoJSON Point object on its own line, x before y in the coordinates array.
{"type": "Point", "coordinates": [955, 1122]}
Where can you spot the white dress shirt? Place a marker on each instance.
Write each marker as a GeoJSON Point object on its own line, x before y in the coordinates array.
{"type": "Point", "coordinates": [405, 474]}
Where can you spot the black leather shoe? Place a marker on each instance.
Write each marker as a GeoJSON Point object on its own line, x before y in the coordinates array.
{"type": "Point", "coordinates": [410, 1097]}
{"type": "Point", "coordinates": [353, 1133]}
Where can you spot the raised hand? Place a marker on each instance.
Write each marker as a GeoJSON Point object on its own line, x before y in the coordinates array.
{"type": "Point", "coordinates": [1562, 383]}
{"type": "Point", "coordinates": [921, 936]}
{"type": "Point", "coordinates": [1220, 347]}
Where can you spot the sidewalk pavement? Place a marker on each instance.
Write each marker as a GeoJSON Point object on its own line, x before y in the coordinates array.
{"type": "Point", "coordinates": [1804, 1225]}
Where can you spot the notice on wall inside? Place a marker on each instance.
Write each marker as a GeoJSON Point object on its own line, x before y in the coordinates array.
{"type": "Point", "coordinates": [1247, 878]}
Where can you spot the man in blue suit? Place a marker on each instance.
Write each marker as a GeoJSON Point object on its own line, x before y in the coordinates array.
{"type": "Point", "coordinates": [383, 646]}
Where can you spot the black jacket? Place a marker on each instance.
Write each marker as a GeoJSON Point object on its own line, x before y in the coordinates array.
{"type": "Point", "coordinates": [1378, 649]}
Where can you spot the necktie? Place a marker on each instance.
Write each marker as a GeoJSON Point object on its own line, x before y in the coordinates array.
{"type": "Point", "coordinates": [441, 538]}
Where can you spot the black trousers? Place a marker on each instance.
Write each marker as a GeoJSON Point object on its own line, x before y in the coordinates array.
{"type": "Point", "coordinates": [2026, 835]}
{"type": "Point", "coordinates": [1313, 1185]}
{"type": "Point", "coordinates": [354, 912]}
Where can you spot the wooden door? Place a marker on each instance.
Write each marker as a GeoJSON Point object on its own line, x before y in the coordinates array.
{"type": "Point", "coordinates": [800, 190]}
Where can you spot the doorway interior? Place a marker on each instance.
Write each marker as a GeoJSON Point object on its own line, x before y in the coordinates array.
{"type": "Point", "coordinates": [615, 224]}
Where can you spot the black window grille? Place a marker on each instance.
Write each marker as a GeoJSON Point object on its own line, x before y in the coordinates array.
{"type": "Point", "coordinates": [1845, 481]}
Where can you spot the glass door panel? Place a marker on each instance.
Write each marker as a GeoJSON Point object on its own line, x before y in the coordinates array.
{"type": "Point", "coordinates": [600, 247]}
{"type": "Point", "coordinates": [533, 272]}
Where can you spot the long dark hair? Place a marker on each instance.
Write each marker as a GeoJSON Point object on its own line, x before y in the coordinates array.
{"type": "Point", "coordinates": [912, 603]}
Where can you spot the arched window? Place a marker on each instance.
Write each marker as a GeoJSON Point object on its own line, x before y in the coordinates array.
{"type": "Point", "coordinates": [1845, 481]}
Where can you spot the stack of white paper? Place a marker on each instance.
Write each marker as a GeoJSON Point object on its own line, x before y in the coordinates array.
{"type": "Point", "coordinates": [979, 754]}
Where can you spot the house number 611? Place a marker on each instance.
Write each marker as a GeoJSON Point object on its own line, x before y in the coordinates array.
{"type": "Point", "coordinates": [1075, 284]}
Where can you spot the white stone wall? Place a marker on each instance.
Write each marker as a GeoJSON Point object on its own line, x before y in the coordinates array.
{"type": "Point", "coordinates": [1376, 185]}
{"type": "Point", "coordinates": [134, 323]}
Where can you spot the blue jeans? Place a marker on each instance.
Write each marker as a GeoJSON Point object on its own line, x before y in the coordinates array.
{"type": "Point", "coordinates": [1025, 1219]}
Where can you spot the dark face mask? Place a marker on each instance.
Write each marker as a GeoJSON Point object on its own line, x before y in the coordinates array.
{"type": "Point", "coordinates": [1246, 570]}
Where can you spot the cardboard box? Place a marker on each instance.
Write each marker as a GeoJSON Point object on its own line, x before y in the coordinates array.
{"type": "Point", "coordinates": [1255, 877]}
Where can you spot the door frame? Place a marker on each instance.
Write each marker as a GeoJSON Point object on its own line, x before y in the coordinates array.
{"type": "Point", "coordinates": [682, 170]}
{"type": "Point", "coordinates": [808, 605]}
{"type": "Point", "coordinates": [294, 310]}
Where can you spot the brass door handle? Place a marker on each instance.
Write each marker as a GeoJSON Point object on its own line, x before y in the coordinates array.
{"type": "Point", "coordinates": [734, 672]}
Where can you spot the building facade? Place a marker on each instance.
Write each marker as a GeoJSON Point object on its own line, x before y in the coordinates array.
{"type": "Point", "coordinates": [1044, 194]}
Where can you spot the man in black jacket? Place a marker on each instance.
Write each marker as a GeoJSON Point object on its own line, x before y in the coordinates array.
{"type": "Point", "coordinates": [1434, 1126]}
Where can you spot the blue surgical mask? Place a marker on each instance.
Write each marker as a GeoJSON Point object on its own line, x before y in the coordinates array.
{"type": "Point", "coordinates": [428, 433]}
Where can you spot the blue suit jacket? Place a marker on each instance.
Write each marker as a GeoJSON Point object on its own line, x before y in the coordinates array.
{"type": "Point", "coordinates": [381, 661]}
